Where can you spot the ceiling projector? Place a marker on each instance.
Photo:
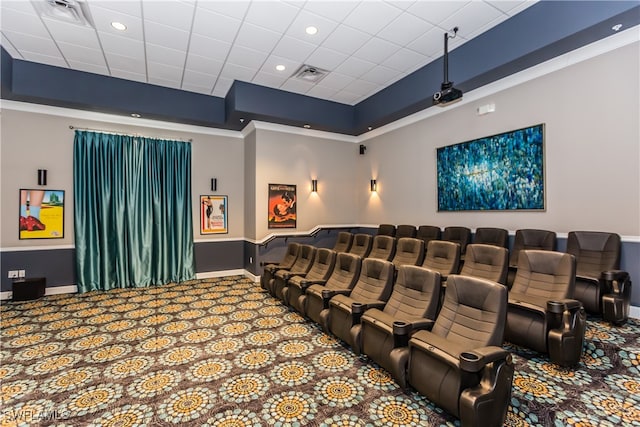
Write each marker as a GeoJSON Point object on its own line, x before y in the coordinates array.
{"type": "Point", "coordinates": [447, 94]}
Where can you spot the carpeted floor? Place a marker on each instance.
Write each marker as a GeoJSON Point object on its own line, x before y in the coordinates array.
{"type": "Point", "coordinates": [222, 352]}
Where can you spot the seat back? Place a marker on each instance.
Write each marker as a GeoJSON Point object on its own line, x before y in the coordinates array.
{"type": "Point", "coordinates": [416, 293]}
{"type": "Point", "coordinates": [290, 256]}
{"type": "Point", "coordinates": [304, 260]}
{"type": "Point", "coordinates": [545, 275]}
{"type": "Point", "coordinates": [486, 262]}
{"type": "Point", "coordinates": [344, 242]}
{"type": "Point", "coordinates": [409, 251]}
{"type": "Point", "coordinates": [492, 236]}
{"type": "Point", "coordinates": [405, 230]}
{"type": "Point", "coordinates": [323, 264]}
{"type": "Point", "coordinates": [386, 230]}
{"type": "Point", "coordinates": [361, 245]}
{"type": "Point", "coordinates": [345, 272]}
{"type": "Point", "coordinates": [594, 251]}
{"type": "Point", "coordinates": [442, 256]}
{"type": "Point", "coordinates": [428, 233]}
{"type": "Point", "coordinates": [383, 247]}
{"type": "Point", "coordinates": [459, 235]}
{"type": "Point", "coordinates": [375, 281]}
{"type": "Point", "coordinates": [531, 239]}
{"type": "Point", "coordinates": [473, 313]}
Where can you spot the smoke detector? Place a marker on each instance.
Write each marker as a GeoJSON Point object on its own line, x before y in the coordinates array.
{"type": "Point", "coordinates": [70, 11]}
{"type": "Point", "coordinates": [310, 74]}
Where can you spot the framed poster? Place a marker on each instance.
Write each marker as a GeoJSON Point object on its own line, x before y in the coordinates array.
{"type": "Point", "coordinates": [282, 206]}
{"type": "Point", "coordinates": [494, 173]}
{"type": "Point", "coordinates": [213, 214]}
{"type": "Point", "coordinates": [41, 214]}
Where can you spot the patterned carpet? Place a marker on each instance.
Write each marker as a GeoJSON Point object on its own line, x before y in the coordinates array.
{"type": "Point", "coordinates": [222, 352]}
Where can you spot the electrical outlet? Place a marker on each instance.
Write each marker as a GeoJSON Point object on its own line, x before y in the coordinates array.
{"type": "Point", "coordinates": [13, 274]}
{"type": "Point", "coordinates": [21, 273]}
{"type": "Point", "coordinates": [250, 260]}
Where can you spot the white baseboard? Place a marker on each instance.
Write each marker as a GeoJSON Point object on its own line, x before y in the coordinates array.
{"type": "Point", "coordinates": [634, 312]}
{"type": "Point", "coordinates": [221, 273]}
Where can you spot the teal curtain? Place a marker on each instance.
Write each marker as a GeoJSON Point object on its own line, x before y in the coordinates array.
{"type": "Point", "coordinates": [133, 222]}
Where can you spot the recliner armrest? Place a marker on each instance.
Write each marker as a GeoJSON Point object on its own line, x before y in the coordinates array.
{"type": "Point", "coordinates": [476, 359]}
{"type": "Point", "coordinates": [559, 306]}
{"type": "Point", "coordinates": [615, 281]}
{"type": "Point", "coordinates": [327, 294]}
{"type": "Point", "coordinates": [304, 283]}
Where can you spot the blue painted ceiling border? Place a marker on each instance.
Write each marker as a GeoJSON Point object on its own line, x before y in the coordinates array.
{"type": "Point", "coordinates": [539, 33]}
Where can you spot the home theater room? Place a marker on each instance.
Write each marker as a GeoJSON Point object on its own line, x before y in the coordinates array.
{"type": "Point", "coordinates": [319, 213]}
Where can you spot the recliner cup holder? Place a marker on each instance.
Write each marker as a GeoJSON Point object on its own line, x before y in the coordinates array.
{"type": "Point", "coordinates": [401, 328]}
{"type": "Point", "coordinates": [357, 307]}
{"type": "Point", "coordinates": [555, 307]}
{"type": "Point", "coordinates": [469, 357]}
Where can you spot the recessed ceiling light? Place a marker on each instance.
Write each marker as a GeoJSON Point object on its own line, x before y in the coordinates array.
{"type": "Point", "coordinates": [280, 67]}
{"type": "Point", "coordinates": [311, 30]}
{"type": "Point", "coordinates": [136, 115]}
{"type": "Point", "coordinates": [119, 26]}
{"type": "Point", "coordinates": [616, 27]}
{"type": "Point", "coordinates": [307, 126]}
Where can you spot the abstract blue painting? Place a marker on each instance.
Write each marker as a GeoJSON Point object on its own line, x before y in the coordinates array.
{"type": "Point", "coordinates": [499, 172]}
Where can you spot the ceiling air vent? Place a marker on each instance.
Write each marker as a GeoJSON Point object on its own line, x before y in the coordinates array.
{"type": "Point", "coordinates": [310, 74]}
{"type": "Point", "coordinates": [70, 11]}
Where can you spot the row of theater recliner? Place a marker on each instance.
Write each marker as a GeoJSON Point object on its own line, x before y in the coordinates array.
{"type": "Point", "coordinates": [449, 349]}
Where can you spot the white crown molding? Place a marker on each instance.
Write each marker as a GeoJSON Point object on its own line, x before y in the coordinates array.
{"type": "Point", "coordinates": [275, 127]}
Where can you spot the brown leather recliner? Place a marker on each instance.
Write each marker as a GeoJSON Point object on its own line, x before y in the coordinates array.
{"type": "Point", "coordinates": [343, 242]}
{"type": "Point", "coordinates": [301, 266]}
{"type": "Point", "coordinates": [386, 230]}
{"type": "Point", "coordinates": [442, 256]}
{"type": "Point", "coordinates": [409, 251]}
{"type": "Point", "coordinates": [459, 364]}
{"type": "Point", "coordinates": [428, 233]}
{"type": "Point", "coordinates": [315, 298]}
{"type": "Point", "coordinates": [492, 236]}
{"type": "Point", "coordinates": [486, 262]}
{"type": "Point", "coordinates": [383, 247]}
{"type": "Point", "coordinates": [286, 263]}
{"type": "Point", "coordinates": [542, 314]}
{"type": "Point", "coordinates": [543, 240]}
{"type": "Point", "coordinates": [361, 245]}
{"type": "Point", "coordinates": [600, 285]}
{"type": "Point", "coordinates": [459, 235]}
{"type": "Point", "coordinates": [320, 271]}
{"type": "Point", "coordinates": [405, 230]}
{"type": "Point", "coordinates": [412, 306]}
{"type": "Point", "coordinates": [372, 290]}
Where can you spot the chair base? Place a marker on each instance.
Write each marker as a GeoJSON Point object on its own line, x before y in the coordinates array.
{"type": "Point", "coordinates": [615, 309]}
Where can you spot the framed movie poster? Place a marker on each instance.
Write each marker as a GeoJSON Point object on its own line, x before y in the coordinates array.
{"type": "Point", "coordinates": [213, 215]}
{"type": "Point", "coordinates": [41, 214]}
{"type": "Point", "coordinates": [282, 206]}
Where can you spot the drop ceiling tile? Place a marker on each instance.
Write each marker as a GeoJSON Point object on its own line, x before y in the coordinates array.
{"type": "Point", "coordinates": [346, 97]}
{"type": "Point", "coordinates": [376, 50]}
{"type": "Point", "coordinates": [132, 8]}
{"type": "Point", "coordinates": [507, 6]}
{"type": "Point", "coordinates": [471, 18]}
{"type": "Point", "coordinates": [269, 79]}
{"type": "Point", "coordinates": [77, 53]}
{"type": "Point", "coordinates": [381, 75]}
{"type": "Point", "coordinates": [163, 35]}
{"type": "Point", "coordinates": [170, 13]}
{"type": "Point", "coordinates": [215, 26]}
{"type": "Point", "coordinates": [102, 18]}
{"type": "Point", "coordinates": [166, 56]}
{"type": "Point", "coordinates": [404, 29]}
{"type": "Point", "coordinates": [274, 15]}
{"type": "Point", "coordinates": [363, 88]}
{"type": "Point", "coordinates": [121, 62]}
{"type": "Point", "coordinates": [336, 81]}
{"type": "Point", "coordinates": [165, 72]}
{"type": "Point", "coordinates": [354, 67]}
{"type": "Point", "coordinates": [33, 44]}
{"type": "Point", "coordinates": [199, 79]}
{"type": "Point", "coordinates": [56, 61]}
{"type": "Point", "coordinates": [89, 68]}
{"type": "Point", "coordinates": [270, 63]}
{"type": "Point", "coordinates": [321, 92]}
{"type": "Point", "coordinates": [232, 71]}
{"type": "Point", "coordinates": [405, 60]}
{"type": "Point", "coordinates": [6, 44]}
{"type": "Point", "coordinates": [209, 48]}
{"type": "Point", "coordinates": [121, 45]}
{"type": "Point", "coordinates": [18, 5]}
{"type": "Point", "coordinates": [326, 58]}
{"type": "Point", "coordinates": [203, 65]}
{"type": "Point", "coordinates": [235, 8]}
{"type": "Point", "coordinates": [27, 23]}
{"type": "Point", "coordinates": [71, 33]}
{"type": "Point", "coordinates": [372, 16]}
{"type": "Point", "coordinates": [255, 37]}
{"type": "Point", "coordinates": [437, 10]}
{"type": "Point", "coordinates": [401, 4]}
{"type": "Point", "coordinates": [522, 6]}
{"type": "Point", "coordinates": [346, 40]}
{"type": "Point", "coordinates": [306, 19]}
{"type": "Point", "coordinates": [246, 57]}
{"type": "Point", "coordinates": [222, 87]}
{"type": "Point", "coordinates": [128, 75]}
{"type": "Point", "coordinates": [173, 84]}
{"type": "Point", "coordinates": [297, 86]}
{"type": "Point", "coordinates": [431, 43]}
{"type": "Point", "coordinates": [196, 89]}
{"type": "Point", "coordinates": [488, 26]}
{"type": "Point", "coordinates": [334, 10]}
{"type": "Point", "coordinates": [294, 49]}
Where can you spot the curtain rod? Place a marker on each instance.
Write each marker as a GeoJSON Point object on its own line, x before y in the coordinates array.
{"type": "Point", "coordinates": [128, 134]}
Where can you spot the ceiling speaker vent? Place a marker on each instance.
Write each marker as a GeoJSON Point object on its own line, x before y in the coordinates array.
{"type": "Point", "coordinates": [70, 11]}
{"type": "Point", "coordinates": [310, 74]}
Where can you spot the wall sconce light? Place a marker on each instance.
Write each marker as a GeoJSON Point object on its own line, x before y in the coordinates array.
{"type": "Point", "coordinates": [314, 185]}
{"type": "Point", "coordinates": [42, 177]}
{"type": "Point", "coordinates": [214, 184]}
{"type": "Point", "coordinates": [374, 185]}
{"type": "Point", "coordinates": [363, 149]}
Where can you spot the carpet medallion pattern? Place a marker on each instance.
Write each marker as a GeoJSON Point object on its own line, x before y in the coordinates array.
{"type": "Point", "coordinates": [222, 352]}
